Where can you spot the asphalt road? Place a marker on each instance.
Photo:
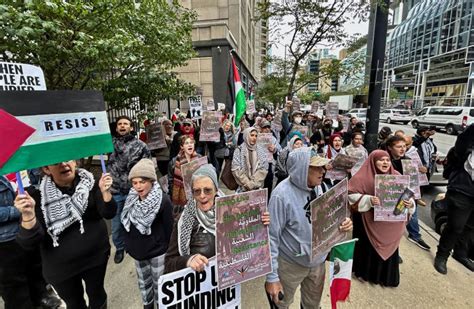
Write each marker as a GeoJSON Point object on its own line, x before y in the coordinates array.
{"type": "Point", "coordinates": [444, 142]}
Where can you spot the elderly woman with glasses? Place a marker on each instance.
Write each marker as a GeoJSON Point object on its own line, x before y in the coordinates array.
{"type": "Point", "coordinates": [65, 219]}
{"type": "Point", "coordinates": [193, 240]}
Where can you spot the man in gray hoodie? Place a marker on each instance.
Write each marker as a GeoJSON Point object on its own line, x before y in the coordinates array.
{"type": "Point", "coordinates": [290, 232]}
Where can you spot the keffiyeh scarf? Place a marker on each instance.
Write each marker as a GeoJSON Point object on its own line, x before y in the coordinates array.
{"type": "Point", "coordinates": [142, 213]}
{"type": "Point", "coordinates": [61, 210]}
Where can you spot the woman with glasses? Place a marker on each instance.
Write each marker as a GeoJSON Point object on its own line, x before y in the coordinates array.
{"type": "Point", "coordinates": [193, 240]}
{"type": "Point", "coordinates": [65, 218]}
{"type": "Point", "coordinates": [176, 190]}
{"type": "Point", "coordinates": [249, 164]}
{"type": "Point", "coordinates": [147, 218]}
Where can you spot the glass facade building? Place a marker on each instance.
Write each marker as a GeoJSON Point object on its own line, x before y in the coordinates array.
{"type": "Point", "coordinates": [431, 53]}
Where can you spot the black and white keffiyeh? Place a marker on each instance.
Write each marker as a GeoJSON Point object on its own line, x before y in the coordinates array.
{"type": "Point", "coordinates": [191, 213]}
{"type": "Point", "coordinates": [61, 210]}
{"type": "Point", "coordinates": [142, 213]}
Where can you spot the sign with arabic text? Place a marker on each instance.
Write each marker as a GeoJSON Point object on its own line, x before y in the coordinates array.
{"type": "Point", "coordinates": [389, 188]}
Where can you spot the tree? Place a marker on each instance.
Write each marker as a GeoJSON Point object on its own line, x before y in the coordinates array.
{"type": "Point", "coordinates": [125, 49]}
{"type": "Point", "coordinates": [311, 23]}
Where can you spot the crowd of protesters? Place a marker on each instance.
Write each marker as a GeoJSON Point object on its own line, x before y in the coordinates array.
{"type": "Point", "coordinates": [164, 230]}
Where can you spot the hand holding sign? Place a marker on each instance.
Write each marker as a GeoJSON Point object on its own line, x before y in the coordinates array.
{"type": "Point", "coordinates": [26, 206]}
{"type": "Point", "coordinates": [105, 182]}
{"type": "Point", "coordinates": [197, 262]}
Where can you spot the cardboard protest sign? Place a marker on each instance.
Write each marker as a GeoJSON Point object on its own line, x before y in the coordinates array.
{"type": "Point", "coordinates": [195, 106]}
{"type": "Point", "coordinates": [210, 106]}
{"type": "Point", "coordinates": [415, 157]}
{"type": "Point", "coordinates": [314, 106]}
{"type": "Point", "coordinates": [410, 168]}
{"type": "Point", "coordinates": [327, 213]}
{"type": "Point", "coordinates": [296, 104]}
{"type": "Point", "coordinates": [332, 110]}
{"type": "Point", "coordinates": [187, 171]}
{"type": "Point", "coordinates": [388, 189]}
{"type": "Point", "coordinates": [343, 161]}
{"type": "Point", "coordinates": [187, 288]}
{"type": "Point", "coordinates": [155, 136]}
{"type": "Point", "coordinates": [265, 140]}
{"type": "Point", "coordinates": [21, 77]}
{"type": "Point", "coordinates": [211, 122]}
{"type": "Point", "coordinates": [276, 123]}
{"type": "Point", "coordinates": [251, 107]}
{"type": "Point", "coordinates": [242, 241]}
{"type": "Point", "coordinates": [69, 125]}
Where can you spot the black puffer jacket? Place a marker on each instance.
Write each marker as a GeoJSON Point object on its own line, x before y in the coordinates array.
{"type": "Point", "coordinates": [460, 180]}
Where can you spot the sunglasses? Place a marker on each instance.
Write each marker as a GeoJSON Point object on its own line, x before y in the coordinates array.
{"type": "Point", "coordinates": [207, 191]}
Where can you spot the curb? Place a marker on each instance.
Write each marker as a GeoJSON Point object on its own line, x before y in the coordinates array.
{"type": "Point", "coordinates": [429, 231]}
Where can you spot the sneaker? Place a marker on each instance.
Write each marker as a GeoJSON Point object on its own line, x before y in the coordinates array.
{"type": "Point", "coordinates": [420, 243]}
{"type": "Point", "coordinates": [119, 255]}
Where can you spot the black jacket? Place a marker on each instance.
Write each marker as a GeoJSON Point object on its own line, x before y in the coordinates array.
{"type": "Point", "coordinates": [144, 247]}
{"type": "Point", "coordinates": [460, 180]}
{"type": "Point", "coordinates": [76, 252]}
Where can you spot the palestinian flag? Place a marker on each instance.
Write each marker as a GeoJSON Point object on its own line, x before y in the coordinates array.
{"type": "Point", "coordinates": [340, 269]}
{"type": "Point", "coordinates": [237, 94]}
{"type": "Point", "coordinates": [67, 125]}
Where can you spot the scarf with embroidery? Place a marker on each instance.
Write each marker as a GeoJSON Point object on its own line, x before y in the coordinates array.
{"type": "Point", "coordinates": [142, 213]}
{"type": "Point", "coordinates": [61, 210]}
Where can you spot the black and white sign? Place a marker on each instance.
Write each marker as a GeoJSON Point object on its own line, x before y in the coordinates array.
{"type": "Point", "coordinates": [20, 76]}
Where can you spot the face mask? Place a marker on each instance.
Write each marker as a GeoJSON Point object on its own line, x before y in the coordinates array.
{"type": "Point", "coordinates": [298, 120]}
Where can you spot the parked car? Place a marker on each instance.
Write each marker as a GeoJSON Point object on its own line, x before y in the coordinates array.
{"type": "Point", "coordinates": [453, 119]}
{"type": "Point", "coordinates": [390, 115]}
{"type": "Point", "coordinates": [360, 113]}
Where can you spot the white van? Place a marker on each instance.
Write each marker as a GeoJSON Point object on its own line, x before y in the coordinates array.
{"type": "Point", "coordinates": [360, 113]}
{"type": "Point", "coordinates": [453, 119]}
{"type": "Point", "coordinates": [390, 115]}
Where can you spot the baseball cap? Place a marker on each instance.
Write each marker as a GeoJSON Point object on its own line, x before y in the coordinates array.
{"type": "Point", "coordinates": [317, 160]}
{"type": "Point", "coordinates": [265, 123]}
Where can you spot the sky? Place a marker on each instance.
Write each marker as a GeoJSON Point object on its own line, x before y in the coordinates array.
{"type": "Point", "coordinates": [351, 28]}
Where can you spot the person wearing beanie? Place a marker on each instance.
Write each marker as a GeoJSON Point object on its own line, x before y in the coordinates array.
{"type": "Point", "coordinates": [147, 218]}
{"type": "Point", "coordinates": [193, 240]}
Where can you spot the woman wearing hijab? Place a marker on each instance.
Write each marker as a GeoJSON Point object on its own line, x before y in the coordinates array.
{"type": "Point", "coordinates": [176, 190]}
{"type": "Point", "coordinates": [65, 218]}
{"type": "Point", "coordinates": [147, 218]}
{"type": "Point", "coordinates": [281, 171]}
{"type": "Point", "coordinates": [376, 252]}
{"type": "Point", "coordinates": [330, 151]}
{"type": "Point", "coordinates": [249, 165]}
{"type": "Point", "coordinates": [193, 240]}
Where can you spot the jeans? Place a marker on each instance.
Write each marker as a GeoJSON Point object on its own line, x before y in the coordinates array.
{"type": "Point", "coordinates": [413, 227]}
{"type": "Point", "coordinates": [118, 231]}
{"type": "Point", "coordinates": [460, 219]}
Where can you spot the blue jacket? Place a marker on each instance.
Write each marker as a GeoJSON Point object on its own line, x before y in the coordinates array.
{"type": "Point", "coordinates": [9, 215]}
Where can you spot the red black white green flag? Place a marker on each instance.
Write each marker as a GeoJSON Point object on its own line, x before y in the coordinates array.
{"type": "Point", "coordinates": [67, 125]}
{"type": "Point", "coordinates": [340, 269]}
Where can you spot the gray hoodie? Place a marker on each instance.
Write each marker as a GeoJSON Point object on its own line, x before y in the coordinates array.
{"type": "Point", "coordinates": [290, 230]}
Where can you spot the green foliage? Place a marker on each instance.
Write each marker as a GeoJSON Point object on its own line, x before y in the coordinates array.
{"type": "Point", "coordinates": [125, 49]}
{"type": "Point", "coordinates": [308, 24]}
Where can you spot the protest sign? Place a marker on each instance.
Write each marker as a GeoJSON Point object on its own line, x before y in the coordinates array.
{"type": "Point", "coordinates": [195, 106]}
{"type": "Point", "coordinates": [314, 106]}
{"type": "Point", "coordinates": [358, 152]}
{"type": "Point", "coordinates": [332, 110]}
{"type": "Point", "coordinates": [242, 241]}
{"type": "Point", "coordinates": [211, 122]}
{"type": "Point", "coordinates": [415, 157]}
{"type": "Point", "coordinates": [343, 161]}
{"type": "Point", "coordinates": [187, 171]}
{"type": "Point", "coordinates": [210, 106]}
{"type": "Point", "coordinates": [296, 104]}
{"type": "Point", "coordinates": [388, 189]}
{"type": "Point", "coordinates": [327, 213]}
{"type": "Point", "coordinates": [410, 168]}
{"type": "Point", "coordinates": [69, 125]}
{"type": "Point", "coordinates": [21, 77]}
{"type": "Point", "coordinates": [276, 123]}
{"type": "Point", "coordinates": [221, 107]}
{"type": "Point", "coordinates": [346, 122]}
{"type": "Point", "coordinates": [155, 136]}
{"type": "Point", "coordinates": [163, 181]}
{"type": "Point", "coordinates": [336, 174]}
{"type": "Point", "coordinates": [251, 107]}
{"type": "Point", "coordinates": [187, 288]}
{"type": "Point", "coordinates": [300, 128]}
{"type": "Point", "coordinates": [265, 140]}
